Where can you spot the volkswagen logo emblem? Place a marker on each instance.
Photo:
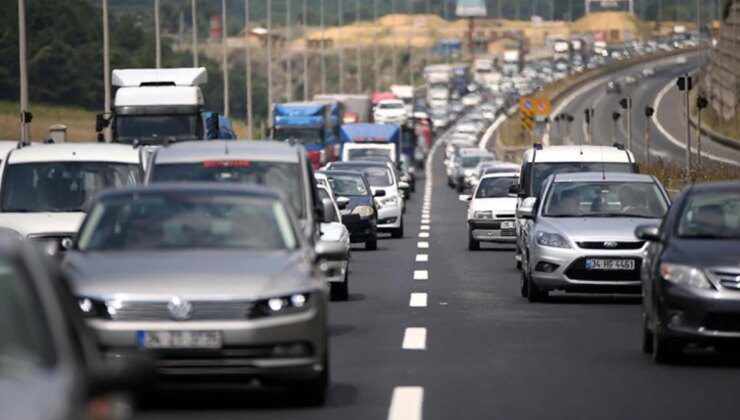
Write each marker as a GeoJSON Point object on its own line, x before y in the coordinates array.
{"type": "Point", "coordinates": [610, 244]}
{"type": "Point", "coordinates": [179, 309]}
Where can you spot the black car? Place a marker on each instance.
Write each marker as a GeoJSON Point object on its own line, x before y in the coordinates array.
{"type": "Point", "coordinates": [691, 274]}
{"type": "Point", "coordinates": [50, 365]}
{"type": "Point", "coordinates": [360, 215]}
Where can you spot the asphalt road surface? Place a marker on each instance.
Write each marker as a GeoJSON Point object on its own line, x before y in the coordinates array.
{"type": "Point", "coordinates": [475, 349]}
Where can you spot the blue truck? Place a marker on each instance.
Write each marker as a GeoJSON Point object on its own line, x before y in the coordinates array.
{"type": "Point", "coordinates": [313, 124]}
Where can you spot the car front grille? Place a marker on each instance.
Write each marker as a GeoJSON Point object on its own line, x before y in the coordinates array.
{"type": "Point", "coordinates": [610, 245]}
{"type": "Point", "coordinates": [722, 321]}
{"type": "Point", "coordinates": [202, 311]}
{"type": "Point", "coordinates": [728, 279]}
{"type": "Point", "coordinates": [577, 271]}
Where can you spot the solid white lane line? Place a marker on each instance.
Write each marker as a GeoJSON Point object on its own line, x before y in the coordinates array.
{"type": "Point", "coordinates": [418, 300]}
{"type": "Point", "coordinates": [421, 275]}
{"type": "Point", "coordinates": [415, 338]}
{"type": "Point", "coordinates": [422, 245]}
{"type": "Point", "coordinates": [422, 257]}
{"type": "Point", "coordinates": [424, 227]}
{"type": "Point", "coordinates": [423, 234]}
{"type": "Point", "coordinates": [406, 403]}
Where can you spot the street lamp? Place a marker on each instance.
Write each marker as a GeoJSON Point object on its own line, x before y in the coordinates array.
{"type": "Point", "coordinates": [649, 111]}
{"type": "Point", "coordinates": [25, 115]}
{"type": "Point", "coordinates": [615, 117]}
{"type": "Point", "coordinates": [701, 103]}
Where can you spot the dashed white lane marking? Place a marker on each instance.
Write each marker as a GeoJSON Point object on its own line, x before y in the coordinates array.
{"type": "Point", "coordinates": [415, 338]}
{"type": "Point", "coordinates": [422, 257]}
{"type": "Point", "coordinates": [418, 300]}
{"type": "Point", "coordinates": [422, 245]}
{"type": "Point", "coordinates": [424, 227]}
{"type": "Point", "coordinates": [423, 234]}
{"type": "Point", "coordinates": [421, 275]}
{"type": "Point", "coordinates": [406, 403]}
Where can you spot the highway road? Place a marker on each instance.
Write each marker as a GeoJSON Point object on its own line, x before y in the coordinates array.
{"type": "Point", "coordinates": [435, 331]}
{"type": "Point", "coordinates": [668, 127]}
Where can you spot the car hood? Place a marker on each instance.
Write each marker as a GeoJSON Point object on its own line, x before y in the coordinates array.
{"type": "Point", "coordinates": [497, 205]}
{"type": "Point", "coordinates": [704, 252]}
{"type": "Point", "coordinates": [595, 228]}
{"type": "Point", "coordinates": [42, 223]}
{"type": "Point", "coordinates": [212, 274]}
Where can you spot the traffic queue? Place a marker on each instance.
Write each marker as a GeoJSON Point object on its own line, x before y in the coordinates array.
{"type": "Point", "coordinates": [176, 259]}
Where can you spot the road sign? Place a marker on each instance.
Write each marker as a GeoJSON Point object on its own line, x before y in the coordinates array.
{"type": "Point", "coordinates": [540, 107]}
{"type": "Point", "coordinates": [526, 119]}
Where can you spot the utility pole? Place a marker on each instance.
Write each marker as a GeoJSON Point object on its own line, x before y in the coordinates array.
{"type": "Point", "coordinates": [225, 58]}
{"type": "Point", "coordinates": [649, 111]}
{"type": "Point", "coordinates": [340, 45]}
{"type": "Point", "coordinates": [701, 103]}
{"type": "Point", "coordinates": [410, 9]}
{"type": "Point", "coordinates": [288, 56]}
{"type": "Point", "coordinates": [306, 90]}
{"type": "Point", "coordinates": [517, 9]}
{"type": "Point", "coordinates": [429, 50]}
{"type": "Point", "coordinates": [157, 36]}
{"type": "Point", "coordinates": [626, 104]}
{"type": "Point", "coordinates": [269, 62]}
{"type": "Point", "coordinates": [323, 49]}
{"type": "Point", "coordinates": [552, 10]}
{"type": "Point", "coordinates": [376, 60]}
{"type": "Point", "coordinates": [394, 57]}
{"type": "Point", "coordinates": [660, 15]}
{"type": "Point", "coordinates": [194, 23]}
{"type": "Point", "coordinates": [615, 118]}
{"type": "Point", "coordinates": [698, 15]}
{"type": "Point", "coordinates": [358, 50]}
{"type": "Point", "coordinates": [499, 9]}
{"type": "Point", "coordinates": [106, 71]}
{"type": "Point", "coordinates": [25, 115]}
{"type": "Point", "coordinates": [684, 85]}
{"type": "Point", "coordinates": [589, 113]}
{"type": "Point", "coordinates": [248, 53]}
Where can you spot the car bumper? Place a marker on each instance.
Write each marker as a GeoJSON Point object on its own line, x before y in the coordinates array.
{"type": "Point", "coordinates": [490, 231]}
{"type": "Point", "coordinates": [699, 314]}
{"type": "Point", "coordinates": [564, 269]}
{"type": "Point", "coordinates": [360, 230]}
{"type": "Point", "coordinates": [290, 347]}
{"type": "Point", "coordinates": [389, 217]}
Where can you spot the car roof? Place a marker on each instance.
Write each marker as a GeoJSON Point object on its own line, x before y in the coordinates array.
{"type": "Point", "coordinates": [474, 151]}
{"type": "Point", "coordinates": [76, 152]}
{"type": "Point", "coordinates": [501, 175]}
{"type": "Point", "coordinates": [190, 188]}
{"type": "Point", "coordinates": [588, 153]}
{"type": "Point", "coordinates": [358, 163]}
{"type": "Point", "coordinates": [720, 186]}
{"type": "Point", "coordinates": [603, 176]}
{"type": "Point", "coordinates": [330, 172]}
{"type": "Point", "coordinates": [198, 151]}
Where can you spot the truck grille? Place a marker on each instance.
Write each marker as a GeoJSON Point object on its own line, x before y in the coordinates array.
{"type": "Point", "coordinates": [202, 311]}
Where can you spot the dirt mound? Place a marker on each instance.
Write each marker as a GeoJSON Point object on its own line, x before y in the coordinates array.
{"type": "Point", "coordinates": [611, 21]}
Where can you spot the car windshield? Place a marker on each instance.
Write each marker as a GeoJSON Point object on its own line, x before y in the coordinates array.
{"type": "Point", "coordinates": [284, 177]}
{"type": "Point", "coordinates": [25, 341]}
{"type": "Point", "coordinates": [354, 154]}
{"type": "Point", "coordinates": [58, 187]}
{"type": "Point", "coordinates": [390, 105]}
{"type": "Point", "coordinates": [153, 128]}
{"type": "Point", "coordinates": [711, 215]}
{"type": "Point", "coordinates": [473, 161]}
{"type": "Point", "coordinates": [605, 199]}
{"type": "Point", "coordinates": [347, 185]}
{"type": "Point", "coordinates": [300, 135]}
{"type": "Point", "coordinates": [495, 187]}
{"type": "Point", "coordinates": [377, 176]}
{"type": "Point", "coordinates": [543, 169]}
{"type": "Point", "coordinates": [187, 221]}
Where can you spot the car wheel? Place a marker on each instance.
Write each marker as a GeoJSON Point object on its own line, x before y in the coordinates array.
{"type": "Point", "coordinates": [398, 232]}
{"type": "Point", "coordinates": [473, 245]}
{"type": "Point", "coordinates": [524, 286]}
{"type": "Point", "coordinates": [460, 187]}
{"type": "Point", "coordinates": [449, 182]}
{"type": "Point", "coordinates": [340, 291]}
{"type": "Point", "coordinates": [534, 293]}
{"type": "Point", "coordinates": [371, 244]}
{"type": "Point", "coordinates": [666, 350]}
{"type": "Point", "coordinates": [647, 336]}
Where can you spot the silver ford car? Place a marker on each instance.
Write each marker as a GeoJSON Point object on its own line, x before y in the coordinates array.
{"type": "Point", "coordinates": [214, 281]}
{"type": "Point", "coordinates": [582, 234]}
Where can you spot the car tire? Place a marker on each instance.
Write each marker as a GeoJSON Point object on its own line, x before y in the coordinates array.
{"type": "Point", "coordinates": [449, 182]}
{"type": "Point", "coordinates": [340, 291]}
{"type": "Point", "coordinates": [460, 188]}
{"type": "Point", "coordinates": [371, 244]}
{"type": "Point", "coordinates": [666, 350]}
{"type": "Point", "coordinates": [534, 293]}
{"type": "Point", "coordinates": [473, 245]}
{"type": "Point", "coordinates": [397, 232]}
{"type": "Point", "coordinates": [647, 336]}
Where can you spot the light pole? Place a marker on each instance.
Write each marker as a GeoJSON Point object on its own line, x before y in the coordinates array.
{"type": "Point", "coordinates": [25, 115]}
{"type": "Point", "coordinates": [157, 36]}
{"type": "Point", "coordinates": [288, 57]}
{"type": "Point", "coordinates": [376, 61]}
{"type": "Point", "coordinates": [340, 22]}
{"type": "Point", "coordinates": [306, 90]}
{"type": "Point", "coordinates": [649, 111]}
{"type": "Point", "coordinates": [358, 51]}
{"type": "Point", "coordinates": [194, 23]}
{"type": "Point", "coordinates": [394, 57]}
{"type": "Point", "coordinates": [323, 47]}
{"type": "Point", "coordinates": [106, 71]}
{"type": "Point", "coordinates": [615, 118]}
{"type": "Point", "coordinates": [225, 58]}
{"type": "Point", "coordinates": [269, 61]}
{"type": "Point", "coordinates": [701, 103]}
{"type": "Point", "coordinates": [626, 104]}
{"type": "Point", "coordinates": [248, 69]}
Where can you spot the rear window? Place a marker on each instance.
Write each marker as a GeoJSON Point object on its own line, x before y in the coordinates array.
{"type": "Point", "coordinates": [544, 169]}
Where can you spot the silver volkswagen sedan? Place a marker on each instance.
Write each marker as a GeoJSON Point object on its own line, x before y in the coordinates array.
{"type": "Point", "coordinates": [582, 236]}
{"type": "Point", "coordinates": [214, 281]}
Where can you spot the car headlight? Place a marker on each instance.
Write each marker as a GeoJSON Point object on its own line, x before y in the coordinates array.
{"type": "Point", "coordinates": [487, 214]}
{"type": "Point", "coordinates": [684, 275]}
{"type": "Point", "coordinates": [363, 211]}
{"type": "Point", "coordinates": [554, 240]}
{"type": "Point", "coordinates": [93, 308]}
{"type": "Point", "coordinates": [281, 305]}
{"type": "Point", "coordinates": [388, 201]}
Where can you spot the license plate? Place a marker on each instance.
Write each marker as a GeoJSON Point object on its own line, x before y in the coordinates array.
{"type": "Point", "coordinates": [507, 225]}
{"type": "Point", "coordinates": [180, 339]}
{"type": "Point", "coordinates": [623, 265]}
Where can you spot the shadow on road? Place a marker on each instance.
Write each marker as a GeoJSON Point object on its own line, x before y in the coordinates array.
{"type": "Point", "coordinates": [594, 299]}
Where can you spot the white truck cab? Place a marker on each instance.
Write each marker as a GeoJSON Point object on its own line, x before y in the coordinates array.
{"type": "Point", "coordinates": [365, 150]}
{"type": "Point", "coordinates": [45, 189]}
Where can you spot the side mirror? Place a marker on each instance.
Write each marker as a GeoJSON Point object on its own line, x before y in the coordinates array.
{"type": "Point", "coordinates": [327, 207]}
{"type": "Point", "coordinates": [404, 185]}
{"type": "Point", "coordinates": [649, 233]}
{"type": "Point", "coordinates": [330, 250]}
{"type": "Point", "coordinates": [342, 202]}
{"type": "Point", "coordinates": [379, 193]}
{"type": "Point", "coordinates": [526, 208]}
{"type": "Point", "coordinates": [465, 197]}
{"type": "Point", "coordinates": [100, 122]}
